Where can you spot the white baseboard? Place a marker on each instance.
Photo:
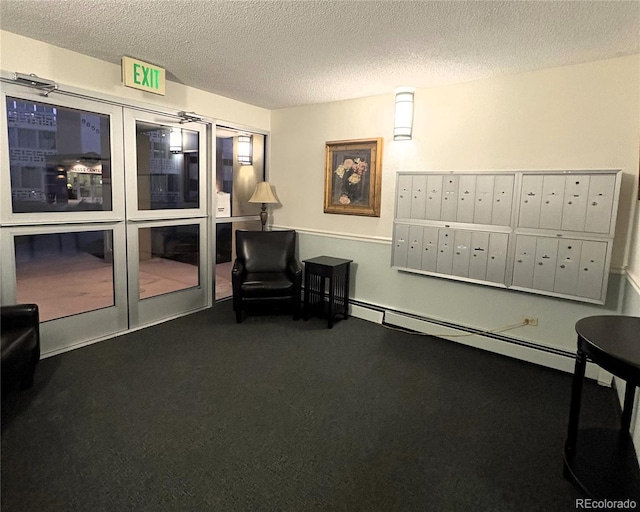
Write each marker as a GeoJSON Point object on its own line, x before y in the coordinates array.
{"type": "Point", "coordinates": [365, 313]}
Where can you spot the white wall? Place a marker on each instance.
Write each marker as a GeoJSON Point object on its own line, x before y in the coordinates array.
{"type": "Point", "coordinates": [631, 306]}
{"type": "Point", "coordinates": [576, 117]}
{"type": "Point", "coordinates": [24, 55]}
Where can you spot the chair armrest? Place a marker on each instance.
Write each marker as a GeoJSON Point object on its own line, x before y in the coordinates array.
{"type": "Point", "coordinates": [238, 269]}
{"type": "Point", "coordinates": [19, 315]}
{"type": "Point", "coordinates": [295, 268]}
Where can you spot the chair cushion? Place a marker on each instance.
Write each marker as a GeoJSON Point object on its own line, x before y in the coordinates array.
{"type": "Point", "coordinates": [267, 284]}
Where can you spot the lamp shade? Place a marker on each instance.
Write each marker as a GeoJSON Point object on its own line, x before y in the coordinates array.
{"type": "Point", "coordinates": [263, 194]}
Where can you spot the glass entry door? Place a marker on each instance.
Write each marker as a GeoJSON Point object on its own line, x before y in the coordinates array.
{"type": "Point", "coordinates": [103, 215]}
{"type": "Point", "coordinates": [62, 229]}
{"type": "Point", "coordinates": [165, 168]}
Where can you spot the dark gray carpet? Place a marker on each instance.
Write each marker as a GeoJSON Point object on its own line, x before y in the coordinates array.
{"type": "Point", "coordinates": [202, 414]}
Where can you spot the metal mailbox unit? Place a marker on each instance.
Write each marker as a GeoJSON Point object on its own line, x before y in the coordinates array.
{"type": "Point", "coordinates": [544, 232]}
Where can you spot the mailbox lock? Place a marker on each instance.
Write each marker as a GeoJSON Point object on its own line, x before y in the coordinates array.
{"type": "Point", "coordinates": [561, 266]}
{"type": "Point", "coordinates": [594, 204]}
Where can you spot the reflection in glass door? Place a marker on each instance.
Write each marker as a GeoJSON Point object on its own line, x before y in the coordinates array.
{"type": "Point", "coordinates": [236, 179]}
{"type": "Point", "coordinates": [166, 217]}
{"type": "Point", "coordinates": [62, 236]}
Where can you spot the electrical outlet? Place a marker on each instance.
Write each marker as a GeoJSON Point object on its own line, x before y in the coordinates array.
{"type": "Point", "coordinates": [530, 320]}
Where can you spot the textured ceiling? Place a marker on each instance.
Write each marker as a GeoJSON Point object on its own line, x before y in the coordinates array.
{"type": "Point", "coordinates": [283, 53]}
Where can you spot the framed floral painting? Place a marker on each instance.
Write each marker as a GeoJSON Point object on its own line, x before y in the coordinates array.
{"type": "Point", "coordinates": [353, 177]}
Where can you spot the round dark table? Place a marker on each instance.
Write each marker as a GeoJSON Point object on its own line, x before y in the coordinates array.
{"type": "Point", "coordinates": [603, 461]}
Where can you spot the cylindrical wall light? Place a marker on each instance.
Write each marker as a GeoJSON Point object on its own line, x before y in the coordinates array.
{"type": "Point", "coordinates": [245, 149]}
{"type": "Point", "coordinates": [403, 123]}
{"type": "Point", "coordinates": [175, 140]}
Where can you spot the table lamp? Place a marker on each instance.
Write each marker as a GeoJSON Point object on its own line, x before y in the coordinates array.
{"type": "Point", "coordinates": [263, 194]}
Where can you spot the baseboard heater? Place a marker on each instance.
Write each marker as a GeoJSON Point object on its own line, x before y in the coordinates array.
{"type": "Point", "coordinates": [496, 342]}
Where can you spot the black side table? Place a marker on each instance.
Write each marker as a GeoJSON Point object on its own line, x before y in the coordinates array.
{"type": "Point", "coordinates": [601, 461]}
{"type": "Point", "coordinates": [316, 272]}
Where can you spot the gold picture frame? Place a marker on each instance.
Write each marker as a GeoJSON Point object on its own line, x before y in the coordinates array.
{"type": "Point", "coordinates": [353, 177]}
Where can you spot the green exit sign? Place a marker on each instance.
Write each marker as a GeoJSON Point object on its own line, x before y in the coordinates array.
{"type": "Point", "coordinates": [142, 75]}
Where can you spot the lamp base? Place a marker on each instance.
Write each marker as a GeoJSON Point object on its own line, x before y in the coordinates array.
{"type": "Point", "coordinates": [263, 215]}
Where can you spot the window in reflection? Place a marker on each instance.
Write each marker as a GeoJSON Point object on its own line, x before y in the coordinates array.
{"type": "Point", "coordinates": [65, 273]}
{"type": "Point", "coordinates": [169, 259]}
{"type": "Point", "coordinates": [59, 157]}
{"type": "Point", "coordinates": [168, 163]}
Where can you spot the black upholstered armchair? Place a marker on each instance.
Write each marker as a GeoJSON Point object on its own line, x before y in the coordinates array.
{"type": "Point", "coordinates": [266, 270]}
{"type": "Point", "coordinates": [20, 332]}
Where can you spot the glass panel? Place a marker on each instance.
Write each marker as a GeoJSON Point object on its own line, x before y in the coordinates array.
{"type": "Point", "coordinates": [169, 259]}
{"type": "Point", "coordinates": [226, 253]}
{"type": "Point", "coordinates": [60, 158]}
{"type": "Point", "coordinates": [65, 273]}
{"type": "Point", "coordinates": [168, 162]}
{"type": "Point", "coordinates": [235, 182]}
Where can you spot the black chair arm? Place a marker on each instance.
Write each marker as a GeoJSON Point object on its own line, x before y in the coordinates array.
{"type": "Point", "coordinates": [295, 269]}
{"type": "Point", "coordinates": [20, 326]}
{"type": "Point", "coordinates": [17, 316]}
{"type": "Point", "coordinates": [238, 268]}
